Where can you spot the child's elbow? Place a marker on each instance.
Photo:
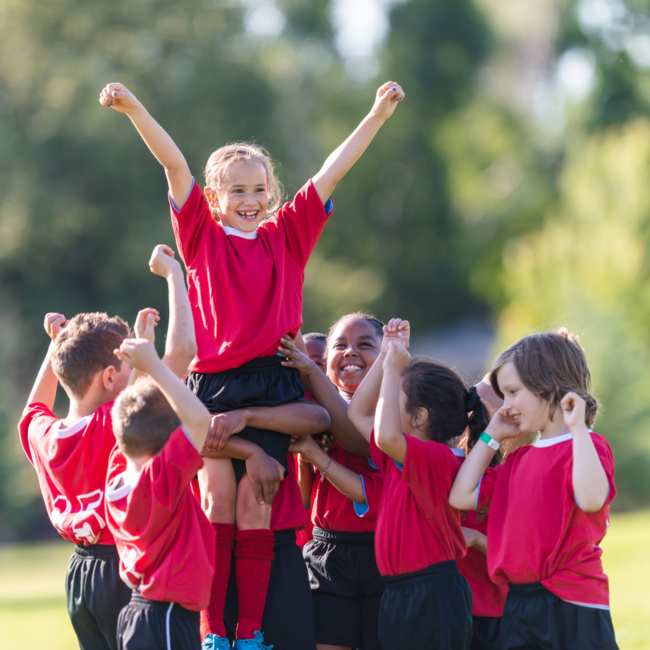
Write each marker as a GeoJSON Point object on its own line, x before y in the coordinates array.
{"type": "Point", "coordinates": [322, 419]}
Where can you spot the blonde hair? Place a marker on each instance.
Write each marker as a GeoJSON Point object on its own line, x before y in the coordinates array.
{"type": "Point", "coordinates": [222, 158]}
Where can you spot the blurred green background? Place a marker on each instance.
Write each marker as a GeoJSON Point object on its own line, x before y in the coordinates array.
{"type": "Point", "coordinates": [510, 187]}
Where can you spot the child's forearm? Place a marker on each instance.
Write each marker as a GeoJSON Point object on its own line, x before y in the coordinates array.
{"type": "Point", "coordinates": [306, 483]}
{"type": "Point", "coordinates": [235, 447]}
{"type": "Point", "coordinates": [304, 418]}
{"type": "Point", "coordinates": [345, 156]}
{"type": "Point", "coordinates": [166, 153]}
{"type": "Point", "coordinates": [44, 390]}
{"type": "Point", "coordinates": [590, 483]}
{"type": "Point", "coordinates": [341, 427]}
{"type": "Point", "coordinates": [388, 426]}
{"type": "Point", "coordinates": [180, 346]}
{"type": "Point", "coordinates": [364, 402]}
{"type": "Point", "coordinates": [342, 478]}
{"type": "Point", "coordinates": [194, 417]}
{"type": "Point", "coordinates": [464, 492]}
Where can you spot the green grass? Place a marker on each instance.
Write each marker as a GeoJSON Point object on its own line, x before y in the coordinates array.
{"type": "Point", "coordinates": [33, 611]}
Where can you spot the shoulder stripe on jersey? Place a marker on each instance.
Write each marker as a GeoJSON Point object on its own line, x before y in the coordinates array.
{"type": "Point", "coordinates": [61, 434]}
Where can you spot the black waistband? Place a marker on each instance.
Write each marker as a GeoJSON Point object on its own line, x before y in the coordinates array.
{"type": "Point", "coordinates": [528, 589]}
{"type": "Point", "coordinates": [343, 537]}
{"type": "Point", "coordinates": [138, 600]}
{"type": "Point", "coordinates": [96, 550]}
{"type": "Point", "coordinates": [284, 537]}
{"type": "Point", "coordinates": [450, 567]}
{"type": "Point", "coordinates": [261, 363]}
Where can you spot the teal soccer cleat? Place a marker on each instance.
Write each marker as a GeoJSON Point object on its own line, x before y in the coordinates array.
{"type": "Point", "coordinates": [214, 642]}
{"type": "Point", "coordinates": [252, 644]}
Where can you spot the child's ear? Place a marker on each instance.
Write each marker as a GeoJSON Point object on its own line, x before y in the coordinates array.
{"type": "Point", "coordinates": [212, 199]}
{"type": "Point", "coordinates": [420, 418]}
{"type": "Point", "coordinates": [108, 378]}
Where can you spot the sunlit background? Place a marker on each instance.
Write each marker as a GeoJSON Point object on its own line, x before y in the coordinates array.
{"type": "Point", "coordinates": [510, 192]}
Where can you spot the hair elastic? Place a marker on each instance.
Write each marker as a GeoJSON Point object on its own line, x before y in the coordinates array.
{"type": "Point", "coordinates": [472, 399]}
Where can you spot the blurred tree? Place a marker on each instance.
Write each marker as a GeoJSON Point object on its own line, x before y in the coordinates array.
{"type": "Point", "coordinates": [588, 269]}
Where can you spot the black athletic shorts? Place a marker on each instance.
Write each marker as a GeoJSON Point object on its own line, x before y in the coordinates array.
{"type": "Point", "coordinates": [346, 588]}
{"type": "Point", "coordinates": [95, 594]}
{"type": "Point", "coordinates": [288, 621]}
{"type": "Point", "coordinates": [155, 625]}
{"type": "Point", "coordinates": [536, 618]}
{"type": "Point", "coordinates": [431, 608]}
{"type": "Point", "coordinates": [486, 633]}
{"type": "Point", "coordinates": [260, 382]}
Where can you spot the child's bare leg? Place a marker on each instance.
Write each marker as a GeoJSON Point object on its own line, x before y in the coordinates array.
{"type": "Point", "coordinates": [253, 556]}
{"type": "Point", "coordinates": [218, 499]}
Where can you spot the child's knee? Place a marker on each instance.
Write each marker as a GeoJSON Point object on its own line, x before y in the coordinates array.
{"type": "Point", "coordinates": [218, 490]}
{"type": "Point", "coordinates": [250, 515]}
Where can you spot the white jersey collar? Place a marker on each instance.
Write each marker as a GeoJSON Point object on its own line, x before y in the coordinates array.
{"type": "Point", "coordinates": [549, 442]}
{"type": "Point", "coordinates": [229, 230]}
{"type": "Point", "coordinates": [458, 452]}
{"type": "Point", "coordinates": [61, 433]}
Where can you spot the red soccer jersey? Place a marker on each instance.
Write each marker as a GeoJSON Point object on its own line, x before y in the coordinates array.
{"type": "Point", "coordinates": [416, 526]}
{"type": "Point", "coordinates": [489, 598]}
{"type": "Point", "coordinates": [246, 293]}
{"type": "Point", "coordinates": [71, 466]}
{"type": "Point", "coordinates": [165, 542]}
{"type": "Point", "coordinates": [537, 532]}
{"type": "Point", "coordinates": [332, 510]}
{"type": "Point", "coordinates": [287, 512]}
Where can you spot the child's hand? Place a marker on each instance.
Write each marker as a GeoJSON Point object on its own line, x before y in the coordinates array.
{"type": "Point", "coordinates": [386, 100]}
{"type": "Point", "coordinates": [145, 324]}
{"type": "Point", "coordinates": [397, 357]}
{"type": "Point", "coordinates": [295, 358]}
{"type": "Point", "coordinates": [53, 324]}
{"type": "Point", "coordinates": [119, 97]}
{"type": "Point", "coordinates": [396, 330]}
{"type": "Point", "coordinates": [305, 446]}
{"type": "Point", "coordinates": [474, 539]}
{"type": "Point", "coordinates": [223, 426]}
{"type": "Point", "coordinates": [139, 354]}
{"type": "Point", "coordinates": [573, 409]}
{"type": "Point", "coordinates": [502, 426]}
{"type": "Point", "coordinates": [162, 261]}
{"type": "Point", "coordinates": [325, 441]}
{"type": "Point", "coordinates": [265, 473]}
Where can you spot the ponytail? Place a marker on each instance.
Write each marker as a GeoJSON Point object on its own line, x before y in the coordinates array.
{"type": "Point", "coordinates": [477, 420]}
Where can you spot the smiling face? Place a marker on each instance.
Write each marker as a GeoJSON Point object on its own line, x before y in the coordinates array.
{"type": "Point", "coordinates": [353, 347]}
{"type": "Point", "coordinates": [529, 411]}
{"type": "Point", "coordinates": [243, 196]}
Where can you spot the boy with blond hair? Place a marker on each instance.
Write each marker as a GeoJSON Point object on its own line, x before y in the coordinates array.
{"type": "Point", "coordinates": [71, 455]}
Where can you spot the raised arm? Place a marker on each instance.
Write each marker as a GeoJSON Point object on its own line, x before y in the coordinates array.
{"type": "Point", "coordinates": [180, 346]}
{"type": "Point", "coordinates": [590, 484]}
{"type": "Point", "coordinates": [325, 393]}
{"type": "Point", "coordinates": [342, 478]}
{"type": "Point", "coordinates": [339, 163]}
{"type": "Point", "coordinates": [179, 177]}
{"type": "Point", "coordinates": [45, 385]}
{"type": "Point", "coordinates": [464, 492]}
{"type": "Point", "coordinates": [195, 418]}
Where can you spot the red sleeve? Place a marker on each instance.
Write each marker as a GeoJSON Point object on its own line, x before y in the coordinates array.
{"type": "Point", "coordinates": [36, 417]}
{"type": "Point", "coordinates": [302, 221]}
{"type": "Point", "coordinates": [373, 486]}
{"type": "Point", "coordinates": [486, 485]}
{"type": "Point", "coordinates": [377, 457]}
{"type": "Point", "coordinates": [607, 459]}
{"type": "Point", "coordinates": [191, 223]}
{"type": "Point", "coordinates": [428, 471]}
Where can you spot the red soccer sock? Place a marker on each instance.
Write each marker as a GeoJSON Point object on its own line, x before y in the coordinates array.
{"type": "Point", "coordinates": [253, 557]}
{"type": "Point", "coordinates": [212, 617]}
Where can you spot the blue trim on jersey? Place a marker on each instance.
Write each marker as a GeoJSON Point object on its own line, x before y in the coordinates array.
{"type": "Point", "coordinates": [190, 439]}
{"type": "Point", "coordinates": [575, 498]}
{"type": "Point", "coordinates": [399, 466]}
{"type": "Point", "coordinates": [329, 206]}
{"type": "Point", "coordinates": [372, 464]}
{"type": "Point", "coordinates": [361, 509]}
{"type": "Point", "coordinates": [187, 197]}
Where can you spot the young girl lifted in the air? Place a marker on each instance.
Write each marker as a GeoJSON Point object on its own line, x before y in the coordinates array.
{"type": "Point", "coordinates": [246, 254]}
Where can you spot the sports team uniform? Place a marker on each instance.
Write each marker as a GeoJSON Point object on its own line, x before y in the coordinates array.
{"type": "Point", "coordinates": [547, 549]}
{"type": "Point", "coordinates": [345, 582]}
{"type": "Point", "coordinates": [288, 620]}
{"type": "Point", "coordinates": [245, 290]}
{"type": "Point", "coordinates": [427, 602]}
{"type": "Point", "coordinates": [166, 546]}
{"type": "Point", "coordinates": [488, 598]}
{"type": "Point", "coordinates": [71, 465]}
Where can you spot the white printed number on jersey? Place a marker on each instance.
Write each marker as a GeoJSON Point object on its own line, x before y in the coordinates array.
{"type": "Point", "coordinates": [85, 524]}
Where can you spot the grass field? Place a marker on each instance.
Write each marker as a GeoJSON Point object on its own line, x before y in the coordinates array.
{"type": "Point", "coordinates": [33, 612]}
